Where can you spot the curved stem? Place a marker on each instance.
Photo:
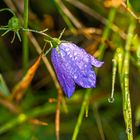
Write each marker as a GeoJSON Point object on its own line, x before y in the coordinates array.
{"type": "Point", "coordinates": [39, 32]}
{"type": "Point", "coordinates": [7, 9]}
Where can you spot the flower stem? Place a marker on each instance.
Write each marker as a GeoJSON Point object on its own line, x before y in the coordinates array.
{"type": "Point", "coordinates": [81, 114]}
{"type": "Point", "coordinates": [49, 38]}
{"type": "Point", "coordinates": [7, 9]}
{"type": "Point", "coordinates": [25, 37]}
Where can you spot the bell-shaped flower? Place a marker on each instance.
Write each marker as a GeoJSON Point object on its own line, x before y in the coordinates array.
{"type": "Point", "coordinates": [73, 65]}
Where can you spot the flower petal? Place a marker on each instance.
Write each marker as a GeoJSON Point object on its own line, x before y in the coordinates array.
{"type": "Point", "coordinates": [63, 76]}
{"type": "Point", "coordinates": [87, 80]}
{"type": "Point", "coordinates": [95, 62]}
{"type": "Point", "coordinates": [78, 64]}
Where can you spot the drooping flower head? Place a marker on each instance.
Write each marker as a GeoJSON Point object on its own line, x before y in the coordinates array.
{"type": "Point", "coordinates": [73, 65]}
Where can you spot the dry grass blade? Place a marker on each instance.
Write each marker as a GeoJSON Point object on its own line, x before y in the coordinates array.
{"type": "Point", "coordinates": [57, 115]}
{"type": "Point", "coordinates": [9, 105]}
{"type": "Point", "coordinates": [21, 87]}
{"type": "Point", "coordinates": [37, 122]}
{"type": "Point", "coordinates": [112, 3]}
{"type": "Point", "coordinates": [69, 14]}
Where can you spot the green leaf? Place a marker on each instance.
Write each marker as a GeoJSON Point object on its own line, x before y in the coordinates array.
{"type": "Point", "coordinates": [3, 87]}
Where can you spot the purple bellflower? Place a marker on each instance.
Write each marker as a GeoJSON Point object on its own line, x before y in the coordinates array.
{"type": "Point", "coordinates": [74, 66]}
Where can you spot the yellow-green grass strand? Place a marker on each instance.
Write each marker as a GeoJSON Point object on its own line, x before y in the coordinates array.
{"type": "Point", "coordinates": [125, 83]}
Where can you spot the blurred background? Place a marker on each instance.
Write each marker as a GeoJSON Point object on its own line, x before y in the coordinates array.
{"type": "Point", "coordinates": [41, 111]}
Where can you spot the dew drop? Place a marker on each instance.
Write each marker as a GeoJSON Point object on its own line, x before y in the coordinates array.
{"type": "Point", "coordinates": [70, 56]}
{"type": "Point", "coordinates": [129, 130]}
{"type": "Point", "coordinates": [81, 83]}
{"type": "Point", "coordinates": [63, 53]}
{"type": "Point", "coordinates": [85, 59]}
{"type": "Point", "coordinates": [75, 76]}
{"type": "Point", "coordinates": [75, 58]}
{"type": "Point", "coordinates": [68, 53]}
{"type": "Point", "coordinates": [75, 53]}
{"type": "Point", "coordinates": [111, 100]}
{"type": "Point", "coordinates": [67, 49]}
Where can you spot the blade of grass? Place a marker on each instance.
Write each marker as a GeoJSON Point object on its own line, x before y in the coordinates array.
{"type": "Point", "coordinates": [125, 83]}
{"type": "Point", "coordinates": [81, 114]}
{"type": "Point", "coordinates": [3, 87]}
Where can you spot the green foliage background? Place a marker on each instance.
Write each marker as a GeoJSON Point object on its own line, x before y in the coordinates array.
{"type": "Point", "coordinates": [105, 120]}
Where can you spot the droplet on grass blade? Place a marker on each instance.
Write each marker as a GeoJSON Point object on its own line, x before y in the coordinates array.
{"type": "Point", "coordinates": [128, 130]}
{"type": "Point", "coordinates": [111, 100]}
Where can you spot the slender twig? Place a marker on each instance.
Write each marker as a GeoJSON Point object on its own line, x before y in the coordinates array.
{"type": "Point", "coordinates": [57, 116]}
{"type": "Point", "coordinates": [25, 37]}
{"type": "Point", "coordinates": [69, 14]}
{"type": "Point", "coordinates": [98, 121]}
{"type": "Point", "coordinates": [9, 105]}
{"type": "Point", "coordinates": [131, 12]}
{"type": "Point", "coordinates": [66, 19]}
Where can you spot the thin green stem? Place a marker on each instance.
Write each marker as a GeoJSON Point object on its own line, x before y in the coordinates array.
{"type": "Point", "coordinates": [7, 9]}
{"type": "Point", "coordinates": [81, 114]}
{"type": "Point", "coordinates": [39, 32]}
{"type": "Point", "coordinates": [98, 121]}
{"type": "Point", "coordinates": [106, 32]}
{"type": "Point", "coordinates": [25, 37]}
{"type": "Point", "coordinates": [114, 70]}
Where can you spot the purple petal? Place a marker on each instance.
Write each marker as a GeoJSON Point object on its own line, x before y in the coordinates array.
{"type": "Point", "coordinates": [87, 80]}
{"type": "Point", "coordinates": [63, 76]}
{"type": "Point", "coordinates": [78, 64]}
{"type": "Point", "coordinates": [95, 62]}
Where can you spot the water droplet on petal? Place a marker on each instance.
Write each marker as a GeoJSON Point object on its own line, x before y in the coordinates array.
{"type": "Point", "coordinates": [75, 58]}
{"type": "Point", "coordinates": [80, 65]}
{"type": "Point", "coordinates": [111, 100]}
{"type": "Point", "coordinates": [85, 59]}
{"type": "Point", "coordinates": [68, 53]}
{"type": "Point", "coordinates": [91, 81]}
{"type": "Point", "coordinates": [75, 53]}
{"type": "Point", "coordinates": [67, 49]}
{"type": "Point", "coordinates": [81, 83]}
{"type": "Point", "coordinates": [70, 56]}
{"type": "Point", "coordinates": [63, 53]}
{"type": "Point", "coordinates": [85, 66]}
{"type": "Point", "coordinates": [75, 76]}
